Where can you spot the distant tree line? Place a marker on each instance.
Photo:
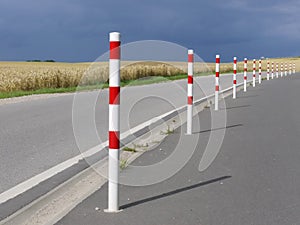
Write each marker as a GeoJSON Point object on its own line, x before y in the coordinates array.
{"type": "Point", "coordinates": [37, 60]}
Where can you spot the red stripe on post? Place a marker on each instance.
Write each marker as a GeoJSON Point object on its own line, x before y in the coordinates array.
{"type": "Point", "coordinates": [217, 60]}
{"type": "Point", "coordinates": [190, 58]}
{"type": "Point", "coordinates": [234, 82]}
{"type": "Point", "coordinates": [217, 88]}
{"type": "Point", "coordinates": [190, 100]}
{"type": "Point", "coordinates": [114, 95]}
{"type": "Point", "coordinates": [115, 50]}
{"type": "Point", "coordinates": [217, 74]}
{"type": "Point", "coordinates": [114, 142]}
{"type": "Point", "coordinates": [190, 79]}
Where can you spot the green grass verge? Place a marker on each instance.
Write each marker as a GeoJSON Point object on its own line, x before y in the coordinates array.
{"type": "Point", "coordinates": [48, 91]}
{"type": "Point", "coordinates": [142, 81]}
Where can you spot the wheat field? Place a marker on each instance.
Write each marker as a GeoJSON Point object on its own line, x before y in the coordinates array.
{"type": "Point", "coordinates": [29, 76]}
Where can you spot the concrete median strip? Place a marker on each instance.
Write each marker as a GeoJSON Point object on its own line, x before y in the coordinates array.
{"type": "Point", "coordinates": [52, 206]}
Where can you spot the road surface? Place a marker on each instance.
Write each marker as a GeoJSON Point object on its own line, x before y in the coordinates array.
{"type": "Point", "coordinates": [37, 135]}
{"type": "Point", "coordinates": [254, 179]}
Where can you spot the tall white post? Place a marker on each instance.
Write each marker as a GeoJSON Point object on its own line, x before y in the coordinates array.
{"type": "Point", "coordinates": [259, 72]}
{"type": "Point", "coordinates": [254, 72]}
{"type": "Point", "coordinates": [234, 78]}
{"type": "Point", "coordinates": [272, 71]}
{"type": "Point", "coordinates": [114, 123]}
{"type": "Point", "coordinates": [217, 85]}
{"type": "Point", "coordinates": [285, 69]}
{"type": "Point", "coordinates": [268, 69]}
{"type": "Point", "coordinates": [190, 91]}
{"type": "Point", "coordinates": [245, 74]}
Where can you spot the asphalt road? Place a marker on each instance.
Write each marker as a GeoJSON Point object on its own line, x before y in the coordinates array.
{"type": "Point", "coordinates": [254, 179]}
{"type": "Point", "coordinates": [37, 135]}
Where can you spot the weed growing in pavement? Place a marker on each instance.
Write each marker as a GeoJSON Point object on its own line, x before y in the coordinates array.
{"type": "Point", "coordinates": [123, 164]}
{"type": "Point", "coordinates": [127, 149]}
{"type": "Point", "coordinates": [168, 131]}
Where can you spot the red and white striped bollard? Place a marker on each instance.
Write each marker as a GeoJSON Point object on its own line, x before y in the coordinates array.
{"type": "Point", "coordinates": [285, 69]}
{"type": "Point", "coordinates": [290, 70]}
{"type": "Point", "coordinates": [234, 78]}
{"type": "Point", "coordinates": [259, 71]}
{"type": "Point", "coordinates": [272, 70]}
{"type": "Point", "coordinates": [114, 122]}
{"type": "Point", "coordinates": [254, 72]}
{"type": "Point", "coordinates": [268, 69]}
{"type": "Point", "coordinates": [217, 85]}
{"type": "Point", "coordinates": [245, 74]}
{"type": "Point", "coordinates": [277, 71]}
{"type": "Point", "coordinates": [190, 91]}
{"type": "Point", "coordinates": [281, 70]}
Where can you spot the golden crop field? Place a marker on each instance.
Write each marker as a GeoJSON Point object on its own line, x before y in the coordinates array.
{"type": "Point", "coordinates": [28, 76]}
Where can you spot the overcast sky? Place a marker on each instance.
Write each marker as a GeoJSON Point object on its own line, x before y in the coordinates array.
{"type": "Point", "coordinates": [77, 30]}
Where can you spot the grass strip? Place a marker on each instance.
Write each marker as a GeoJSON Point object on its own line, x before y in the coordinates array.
{"type": "Point", "coordinates": [142, 81]}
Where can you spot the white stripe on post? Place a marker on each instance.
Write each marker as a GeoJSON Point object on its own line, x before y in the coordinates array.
{"type": "Point", "coordinates": [114, 67]}
{"type": "Point", "coordinates": [254, 72]}
{"type": "Point", "coordinates": [277, 72]}
{"type": "Point", "coordinates": [217, 85]}
{"type": "Point", "coordinates": [234, 78]}
{"type": "Point", "coordinates": [114, 123]}
{"type": "Point", "coordinates": [259, 72]}
{"type": "Point", "coordinates": [245, 74]}
{"type": "Point", "coordinates": [268, 69]}
{"type": "Point", "coordinates": [272, 69]}
{"type": "Point", "coordinates": [190, 91]}
{"type": "Point", "coordinates": [114, 113]}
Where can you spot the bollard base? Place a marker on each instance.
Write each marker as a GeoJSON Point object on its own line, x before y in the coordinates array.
{"type": "Point", "coordinates": [112, 211]}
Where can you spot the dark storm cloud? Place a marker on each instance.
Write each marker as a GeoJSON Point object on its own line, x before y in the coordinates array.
{"type": "Point", "coordinates": [76, 30]}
